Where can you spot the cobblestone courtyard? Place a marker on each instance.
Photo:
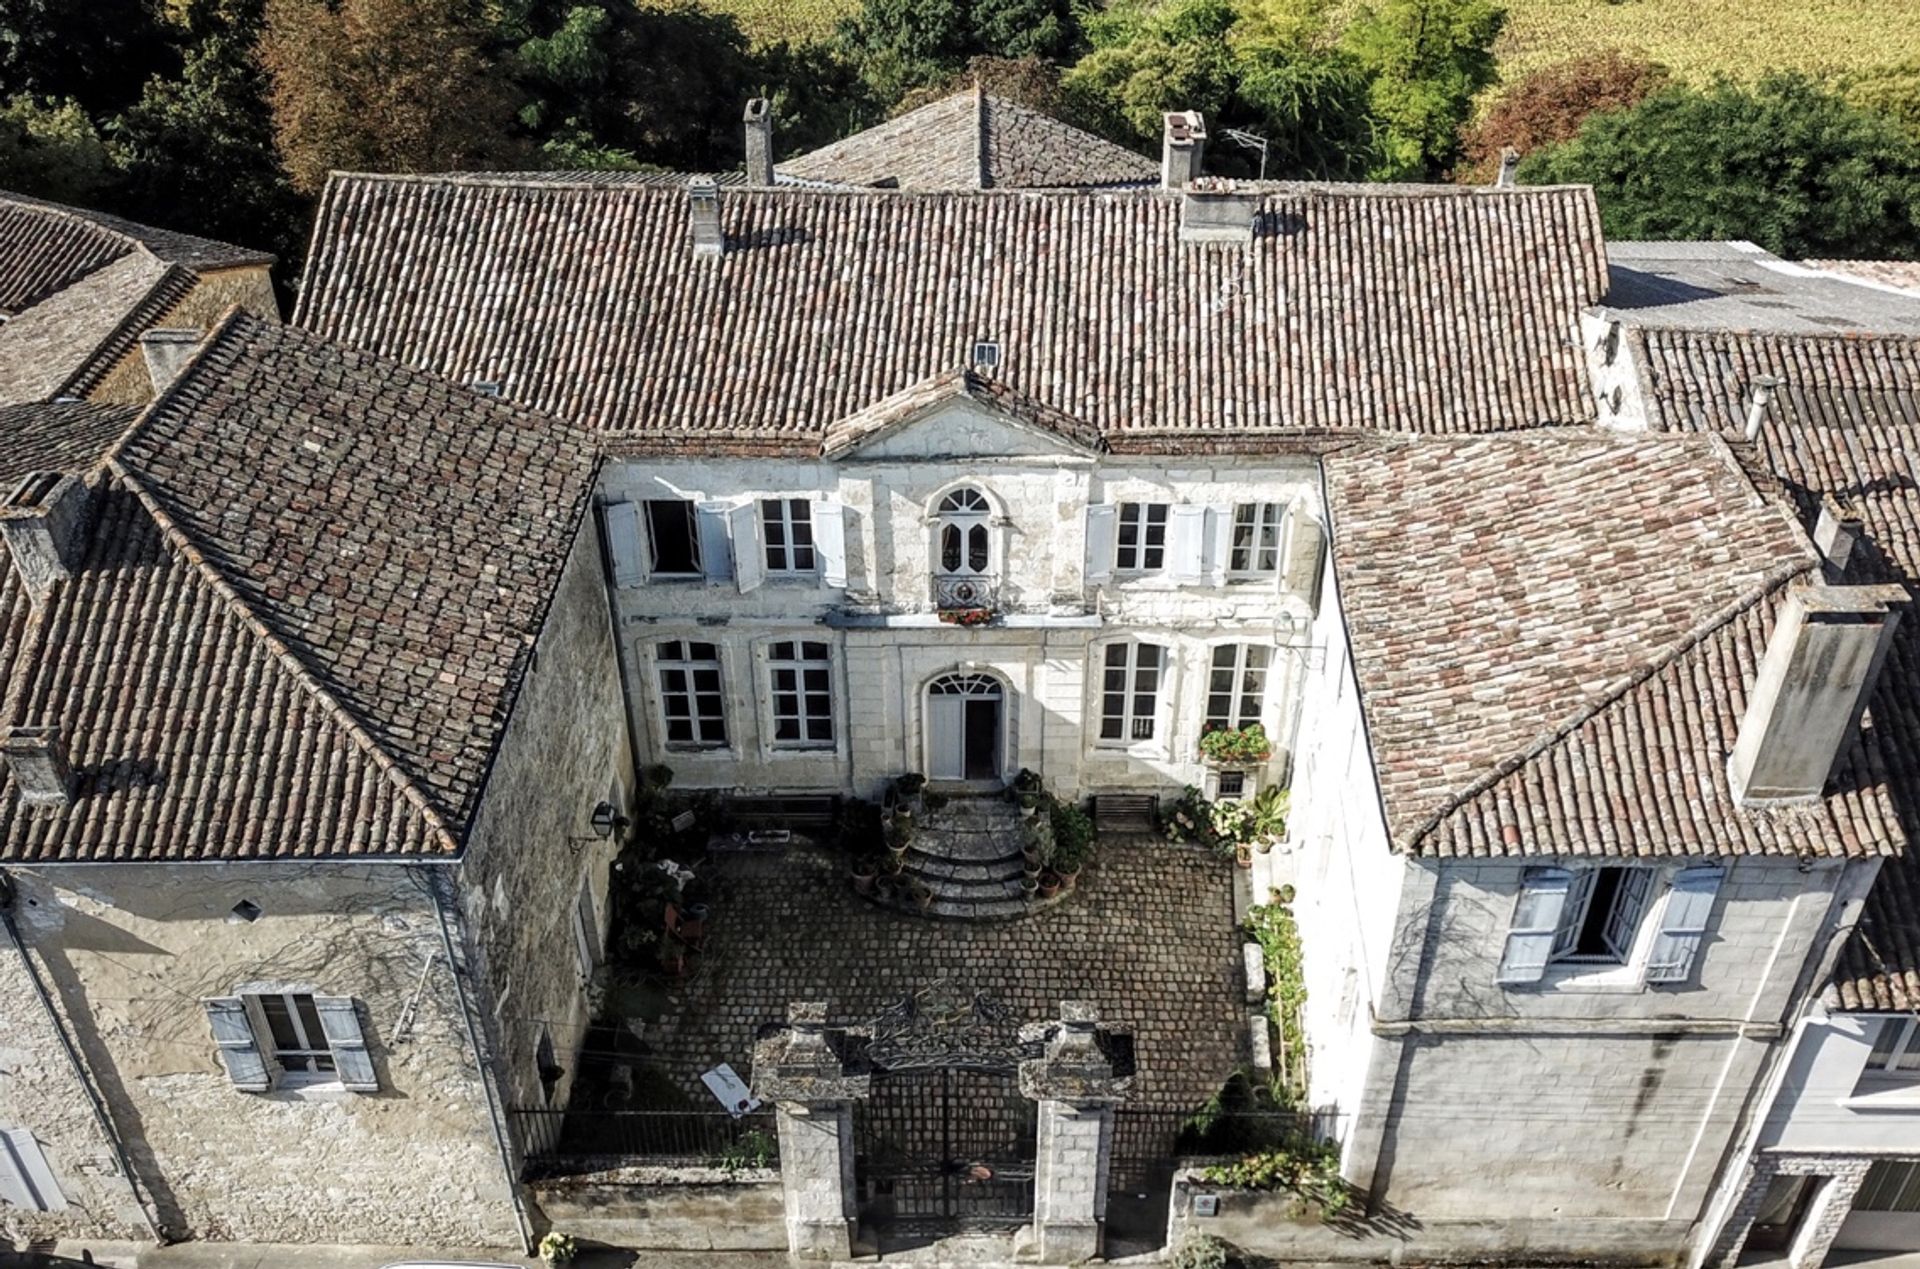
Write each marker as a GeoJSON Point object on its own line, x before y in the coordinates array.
{"type": "Point", "coordinates": [1149, 937]}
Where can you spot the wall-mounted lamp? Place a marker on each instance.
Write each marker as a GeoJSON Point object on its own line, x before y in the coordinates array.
{"type": "Point", "coordinates": [606, 820]}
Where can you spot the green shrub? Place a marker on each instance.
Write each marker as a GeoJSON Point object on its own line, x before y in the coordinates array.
{"type": "Point", "coordinates": [1201, 1251]}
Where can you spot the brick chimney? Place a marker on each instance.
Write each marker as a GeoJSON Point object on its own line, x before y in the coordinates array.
{"type": "Point", "coordinates": [166, 352]}
{"type": "Point", "coordinates": [1814, 682]}
{"type": "Point", "coordinates": [1182, 145]}
{"type": "Point", "coordinates": [44, 523]}
{"type": "Point", "coordinates": [38, 759]}
{"type": "Point", "coordinates": [759, 126]}
{"type": "Point", "coordinates": [703, 211]}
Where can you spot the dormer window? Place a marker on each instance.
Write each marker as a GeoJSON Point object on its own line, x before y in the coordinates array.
{"type": "Point", "coordinates": [964, 542]}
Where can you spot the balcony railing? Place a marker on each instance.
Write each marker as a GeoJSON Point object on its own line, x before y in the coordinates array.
{"type": "Point", "coordinates": [965, 593]}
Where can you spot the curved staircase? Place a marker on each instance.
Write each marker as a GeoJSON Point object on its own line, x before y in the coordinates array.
{"type": "Point", "coordinates": [968, 854]}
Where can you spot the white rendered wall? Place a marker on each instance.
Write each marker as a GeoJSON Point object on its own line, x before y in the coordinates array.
{"type": "Point", "coordinates": [1822, 1105]}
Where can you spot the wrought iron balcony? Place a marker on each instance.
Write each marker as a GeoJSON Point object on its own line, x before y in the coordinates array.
{"type": "Point", "coordinates": [966, 592]}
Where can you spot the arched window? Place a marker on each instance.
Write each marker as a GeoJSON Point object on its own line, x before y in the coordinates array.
{"type": "Point", "coordinates": [963, 541]}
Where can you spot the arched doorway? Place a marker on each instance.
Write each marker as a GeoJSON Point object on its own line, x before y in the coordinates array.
{"type": "Point", "coordinates": [965, 722]}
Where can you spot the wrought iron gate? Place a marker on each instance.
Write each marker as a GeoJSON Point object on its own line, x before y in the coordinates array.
{"type": "Point", "coordinates": [945, 1141]}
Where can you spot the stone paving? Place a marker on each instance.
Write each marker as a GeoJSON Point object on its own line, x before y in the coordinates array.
{"type": "Point", "coordinates": [1149, 937]}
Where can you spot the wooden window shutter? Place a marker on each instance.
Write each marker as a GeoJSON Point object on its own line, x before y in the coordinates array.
{"type": "Point", "coordinates": [1683, 924]}
{"type": "Point", "coordinates": [1219, 548]}
{"type": "Point", "coordinates": [716, 548]}
{"type": "Point", "coordinates": [341, 1021]}
{"type": "Point", "coordinates": [749, 561]}
{"type": "Point", "coordinates": [830, 542]}
{"type": "Point", "coordinates": [1536, 918]}
{"type": "Point", "coordinates": [1187, 540]}
{"type": "Point", "coordinates": [1305, 553]}
{"type": "Point", "coordinates": [239, 1050]}
{"type": "Point", "coordinates": [1101, 529]}
{"type": "Point", "coordinates": [624, 546]}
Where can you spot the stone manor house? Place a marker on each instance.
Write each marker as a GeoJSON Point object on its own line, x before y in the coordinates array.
{"type": "Point", "coordinates": [1569, 579]}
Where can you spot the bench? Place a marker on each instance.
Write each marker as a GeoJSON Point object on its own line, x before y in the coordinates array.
{"type": "Point", "coordinates": [1126, 813]}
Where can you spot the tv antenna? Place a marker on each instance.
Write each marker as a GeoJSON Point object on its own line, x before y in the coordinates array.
{"type": "Point", "coordinates": [1249, 141]}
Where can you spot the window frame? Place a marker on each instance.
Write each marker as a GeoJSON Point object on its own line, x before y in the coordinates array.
{"type": "Point", "coordinates": [972, 526]}
{"type": "Point", "coordinates": [293, 1076]}
{"type": "Point", "coordinates": [1130, 718]}
{"type": "Point", "coordinates": [1265, 518]}
{"type": "Point", "coordinates": [692, 510]}
{"type": "Point", "coordinates": [1904, 1032]}
{"type": "Point", "coordinates": [779, 512]}
{"type": "Point", "coordinates": [799, 664]}
{"type": "Point", "coordinates": [688, 664]}
{"type": "Point", "coordinates": [1236, 692]}
{"type": "Point", "coordinates": [1145, 520]}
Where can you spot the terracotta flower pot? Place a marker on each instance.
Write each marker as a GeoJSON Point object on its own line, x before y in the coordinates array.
{"type": "Point", "coordinates": [1243, 854]}
{"type": "Point", "coordinates": [1049, 884]}
{"type": "Point", "coordinates": [1070, 880]}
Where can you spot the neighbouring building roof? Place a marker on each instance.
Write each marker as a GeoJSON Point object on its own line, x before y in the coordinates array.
{"type": "Point", "coordinates": [1903, 274]}
{"type": "Point", "coordinates": [1443, 311]}
{"type": "Point", "coordinates": [974, 140]}
{"type": "Point", "coordinates": [1553, 637]}
{"type": "Point", "coordinates": [1844, 423]}
{"type": "Point", "coordinates": [313, 583]}
{"type": "Point", "coordinates": [1738, 287]}
{"type": "Point", "coordinates": [64, 436]}
{"type": "Point", "coordinates": [63, 345]}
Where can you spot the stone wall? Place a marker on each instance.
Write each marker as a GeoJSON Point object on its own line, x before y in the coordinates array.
{"type": "Point", "coordinates": [128, 383]}
{"type": "Point", "coordinates": [533, 850]}
{"type": "Point", "coordinates": [1824, 1216]}
{"type": "Point", "coordinates": [658, 1209]}
{"type": "Point", "coordinates": [133, 950]}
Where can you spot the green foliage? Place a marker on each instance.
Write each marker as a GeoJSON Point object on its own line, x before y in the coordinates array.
{"type": "Point", "coordinates": [1785, 163]}
{"type": "Point", "coordinates": [52, 150]}
{"type": "Point", "coordinates": [558, 1249]}
{"type": "Point", "coordinates": [1273, 927]}
{"type": "Point", "coordinates": [752, 1149]}
{"type": "Point", "coordinates": [1424, 60]}
{"type": "Point", "coordinates": [1892, 91]}
{"type": "Point", "coordinates": [1550, 105]}
{"type": "Point", "coordinates": [1309, 1169]}
{"type": "Point", "coordinates": [900, 45]}
{"type": "Point", "coordinates": [1200, 1251]}
{"type": "Point", "coordinates": [1236, 744]}
{"type": "Point", "coordinates": [1072, 831]}
{"type": "Point", "coordinates": [97, 53]}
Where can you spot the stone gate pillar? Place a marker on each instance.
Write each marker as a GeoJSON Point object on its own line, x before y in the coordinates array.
{"type": "Point", "coordinates": [1084, 1071]}
{"type": "Point", "coordinates": [812, 1075]}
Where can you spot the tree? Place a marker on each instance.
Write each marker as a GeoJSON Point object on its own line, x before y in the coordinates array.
{"type": "Point", "coordinates": [1893, 91]}
{"type": "Point", "coordinates": [900, 45]}
{"type": "Point", "coordinates": [385, 85]}
{"type": "Point", "coordinates": [1550, 105]}
{"type": "Point", "coordinates": [96, 53]}
{"type": "Point", "coordinates": [50, 149]}
{"type": "Point", "coordinates": [1783, 163]}
{"type": "Point", "coordinates": [1424, 60]}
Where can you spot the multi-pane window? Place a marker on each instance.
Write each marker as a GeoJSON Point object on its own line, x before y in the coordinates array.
{"type": "Point", "coordinates": [802, 694]}
{"type": "Point", "coordinates": [1602, 914]}
{"type": "Point", "coordinates": [1896, 1050]}
{"type": "Point", "coordinates": [299, 1043]}
{"type": "Point", "coordinates": [965, 543]}
{"type": "Point", "coordinates": [673, 535]}
{"type": "Point", "coordinates": [1236, 685]}
{"type": "Point", "coordinates": [1255, 547]}
{"type": "Point", "coordinates": [1892, 1185]}
{"type": "Point", "coordinates": [690, 695]}
{"type": "Point", "coordinates": [1140, 541]}
{"type": "Point", "coordinates": [1130, 691]}
{"type": "Point", "coordinates": [787, 526]}
{"type": "Point", "coordinates": [1588, 917]}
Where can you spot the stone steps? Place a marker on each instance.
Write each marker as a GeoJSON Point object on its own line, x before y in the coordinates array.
{"type": "Point", "coordinates": [967, 855]}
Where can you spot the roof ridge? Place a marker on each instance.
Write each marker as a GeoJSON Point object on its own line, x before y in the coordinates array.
{"type": "Point", "coordinates": [982, 176]}
{"type": "Point", "coordinates": [183, 541]}
{"type": "Point", "coordinates": [1774, 580]}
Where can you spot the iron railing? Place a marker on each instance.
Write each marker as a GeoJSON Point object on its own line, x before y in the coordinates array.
{"type": "Point", "coordinates": [965, 593]}
{"type": "Point", "coordinates": [676, 1137]}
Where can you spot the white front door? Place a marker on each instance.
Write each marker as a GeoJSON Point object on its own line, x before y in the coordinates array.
{"type": "Point", "coordinates": [963, 728]}
{"type": "Point", "coordinates": [947, 737]}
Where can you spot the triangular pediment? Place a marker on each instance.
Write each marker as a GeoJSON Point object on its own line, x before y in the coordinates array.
{"type": "Point", "coordinates": [959, 415]}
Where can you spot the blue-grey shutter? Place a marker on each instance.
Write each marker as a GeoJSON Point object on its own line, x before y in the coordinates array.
{"type": "Point", "coordinates": [239, 1051]}
{"type": "Point", "coordinates": [25, 1178]}
{"type": "Point", "coordinates": [716, 545]}
{"type": "Point", "coordinates": [830, 542]}
{"type": "Point", "coordinates": [1101, 527]}
{"type": "Point", "coordinates": [624, 547]}
{"type": "Point", "coordinates": [1219, 549]}
{"type": "Point", "coordinates": [1683, 924]}
{"type": "Point", "coordinates": [1536, 919]}
{"type": "Point", "coordinates": [341, 1022]}
{"type": "Point", "coordinates": [749, 560]}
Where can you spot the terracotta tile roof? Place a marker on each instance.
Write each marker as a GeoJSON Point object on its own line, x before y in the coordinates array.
{"type": "Point", "coordinates": [45, 247]}
{"type": "Point", "coordinates": [63, 345]}
{"type": "Point", "coordinates": [1845, 423]}
{"type": "Point", "coordinates": [974, 140]}
{"type": "Point", "coordinates": [71, 436]}
{"type": "Point", "coordinates": [1552, 634]}
{"type": "Point", "coordinates": [316, 581]}
{"type": "Point", "coordinates": [1448, 311]}
{"type": "Point", "coordinates": [1904, 274]}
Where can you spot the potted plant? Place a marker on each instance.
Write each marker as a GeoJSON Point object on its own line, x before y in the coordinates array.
{"type": "Point", "coordinates": [1235, 746]}
{"type": "Point", "coordinates": [1072, 831]}
{"type": "Point", "coordinates": [865, 870]}
{"type": "Point", "coordinates": [892, 862]}
{"type": "Point", "coordinates": [1030, 884]}
{"type": "Point", "coordinates": [921, 893]}
{"type": "Point", "coordinates": [1029, 804]}
{"type": "Point", "coordinates": [1036, 848]}
{"type": "Point", "coordinates": [558, 1249]}
{"type": "Point", "coordinates": [1068, 859]}
{"type": "Point", "coordinates": [1267, 817]}
{"type": "Point", "coordinates": [1026, 781]}
{"type": "Point", "coordinates": [1049, 884]}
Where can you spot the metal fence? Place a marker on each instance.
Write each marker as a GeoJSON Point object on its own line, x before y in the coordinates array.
{"type": "Point", "coordinates": [669, 1137]}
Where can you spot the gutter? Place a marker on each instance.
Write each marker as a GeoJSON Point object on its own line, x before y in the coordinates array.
{"type": "Point", "coordinates": [94, 1101]}
{"type": "Point", "coordinates": [458, 950]}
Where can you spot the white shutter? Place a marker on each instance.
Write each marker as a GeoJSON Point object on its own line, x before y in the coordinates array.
{"type": "Point", "coordinates": [1306, 540]}
{"type": "Point", "coordinates": [946, 737]}
{"type": "Point", "coordinates": [25, 1179]}
{"type": "Point", "coordinates": [341, 1022]}
{"type": "Point", "coordinates": [624, 546]}
{"type": "Point", "coordinates": [716, 552]}
{"type": "Point", "coordinates": [233, 1032]}
{"type": "Point", "coordinates": [830, 542]}
{"type": "Point", "coordinates": [1573, 913]}
{"type": "Point", "coordinates": [1628, 907]}
{"type": "Point", "coordinates": [1536, 918]}
{"type": "Point", "coordinates": [1101, 529]}
{"type": "Point", "coordinates": [749, 560]}
{"type": "Point", "coordinates": [1219, 550]}
{"type": "Point", "coordinates": [1683, 925]}
{"type": "Point", "coordinates": [1187, 539]}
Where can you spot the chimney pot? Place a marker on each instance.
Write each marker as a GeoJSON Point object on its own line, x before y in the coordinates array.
{"type": "Point", "coordinates": [703, 208]}
{"type": "Point", "coordinates": [166, 351]}
{"type": "Point", "coordinates": [1183, 144]}
{"type": "Point", "coordinates": [1509, 164]}
{"type": "Point", "coordinates": [1813, 685]}
{"type": "Point", "coordinates": [38, 758]}
{"type": "Point", "coordinates": [1835, 533]}
{"type": "Point", "coordinates": [759, 126]}
{"type": "Point", "coordinates": [44, 523]}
